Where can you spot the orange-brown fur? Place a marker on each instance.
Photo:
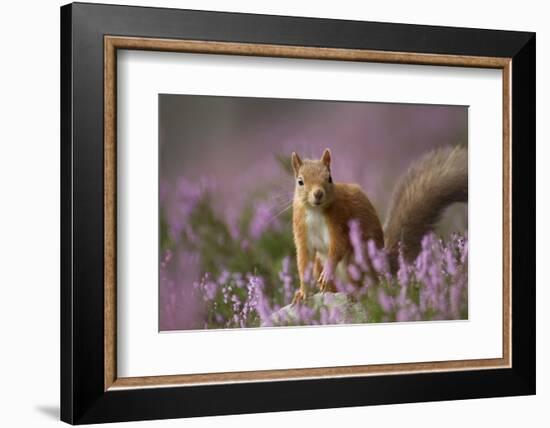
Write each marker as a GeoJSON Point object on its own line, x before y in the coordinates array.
{"type": "Point", "coordinates": [431, 184]}
{"type": "Point", "coordinates": [322, 211]}
{"type": "Point", "coordinates": [341, 202]}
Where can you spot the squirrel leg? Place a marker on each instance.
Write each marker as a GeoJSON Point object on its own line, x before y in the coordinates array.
{"type": "Point", "coordinates": [324, 275]}
{"type": "Point", "coordinates": [303, 262]}
{"type": "Point", "coordinates": [317, 267]}
{"type": "Point", "coordinates": [326, 279]}
{"type": "Point", "coordinates": [326, 282]}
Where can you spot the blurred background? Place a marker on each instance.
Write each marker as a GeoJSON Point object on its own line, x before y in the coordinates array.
{"type": "Point", "coordinates": [226, 184]}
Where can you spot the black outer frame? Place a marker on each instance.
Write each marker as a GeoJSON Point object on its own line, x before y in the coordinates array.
{"type": "Point", "coordinates": [83, 399]}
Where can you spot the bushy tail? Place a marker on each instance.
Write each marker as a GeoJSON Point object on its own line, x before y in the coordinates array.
{"type": "Point", "coordinates": [430, 185]}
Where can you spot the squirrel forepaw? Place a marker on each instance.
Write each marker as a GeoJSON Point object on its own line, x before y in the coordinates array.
{"type": "Point", "coordinates": [325, 282]}
{"type": "Point", "coordinates": [299, 297]}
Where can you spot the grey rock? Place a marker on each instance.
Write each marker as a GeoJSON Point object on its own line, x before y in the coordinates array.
{"type": "Point", "coordinates": [320, 308]}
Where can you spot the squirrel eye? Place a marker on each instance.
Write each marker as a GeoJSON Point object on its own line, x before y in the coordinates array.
{"type": "Point", "coordinates": [330, 178]}
{"type": "Point", "coordinates": [300, 182]}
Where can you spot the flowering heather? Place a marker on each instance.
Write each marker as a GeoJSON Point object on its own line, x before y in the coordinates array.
{"type": "Point", "coordinates": [180, 201]}
{"type": "Point", "coordinates": [227, 257]}
{"type": "Point", "coordinates": [241, 289]}
{"type": "Point", "coordinates": [263, 218]}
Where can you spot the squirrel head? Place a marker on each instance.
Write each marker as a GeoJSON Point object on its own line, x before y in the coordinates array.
{"type": "Point", "coordinates": [314, 186]}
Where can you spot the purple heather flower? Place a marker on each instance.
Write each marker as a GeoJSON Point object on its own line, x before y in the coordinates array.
{"type": "Point", "coordinates": [354, 272]}
{"type": "Point", "coordinates": [403, 315]}
{"type": "Point", "coordinates": [324, 316]}
{"type": "Point", "coordinates": [264, 310]}
{"type": "Point", "coordinates": [179, 201]}
{"type": "Point", "coordinates": [402, 299]}
{"type": "Point", "coordinates": [308, 274]}
{"type": "Point", "coordinates": [180, 296]}
{"type": "Point", "coordinates": [335, 315]}
{"type": "Point", "coordinates": [210, 290]}
{"type": "Point", "coordinates": [286, 277]}
{"type": "Point", "coordinates": [238, 280]}
{"type": "Point", "coordinates": [386, 302]}
{"type": "Point", "coordinates": [378, 257]}
{"type": "Point", "coordinates": [224, 277]}
{"type": "Point", "coordinates": [450, 261]}
{"type": "Point", "coordinates": [403, 271]}
{"type": "Point", "coordinates": [356, 239]}
{"type": "Point", "coordinates": [262, 219]}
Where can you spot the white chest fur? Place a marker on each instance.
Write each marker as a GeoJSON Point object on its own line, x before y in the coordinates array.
{"type": "Point", "coordinates": [317, 232]}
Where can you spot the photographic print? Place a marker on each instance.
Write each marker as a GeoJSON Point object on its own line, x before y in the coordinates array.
{"type": "Point", "coordinates": [290, 212]}
{"type": "Point", "coordinates": [293, 183]}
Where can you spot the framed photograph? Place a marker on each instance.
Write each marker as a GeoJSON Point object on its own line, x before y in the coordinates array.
{"type": "Point", "coordinates": [265, 213]}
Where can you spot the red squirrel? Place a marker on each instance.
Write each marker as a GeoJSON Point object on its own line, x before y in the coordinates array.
{"type": "Point", "coordinates": [322, 210]}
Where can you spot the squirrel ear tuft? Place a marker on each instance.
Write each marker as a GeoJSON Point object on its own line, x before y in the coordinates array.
{"type": "Point", "coordinates": [296, 163]}
{"type": "Point", "coordinates": [326, 157]}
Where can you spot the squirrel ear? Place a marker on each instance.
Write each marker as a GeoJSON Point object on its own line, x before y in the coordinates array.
{"type": "Point", "coordinates": [296, 163]}
{"type": "Point", "coordinates": [326, 157]}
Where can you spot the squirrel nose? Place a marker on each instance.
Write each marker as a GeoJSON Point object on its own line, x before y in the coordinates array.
{"type": "Point", "coordinates": [318, 194]}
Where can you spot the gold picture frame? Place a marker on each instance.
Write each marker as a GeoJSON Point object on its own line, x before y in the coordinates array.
{"type": "Point", "coordinates": [114, 43]}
